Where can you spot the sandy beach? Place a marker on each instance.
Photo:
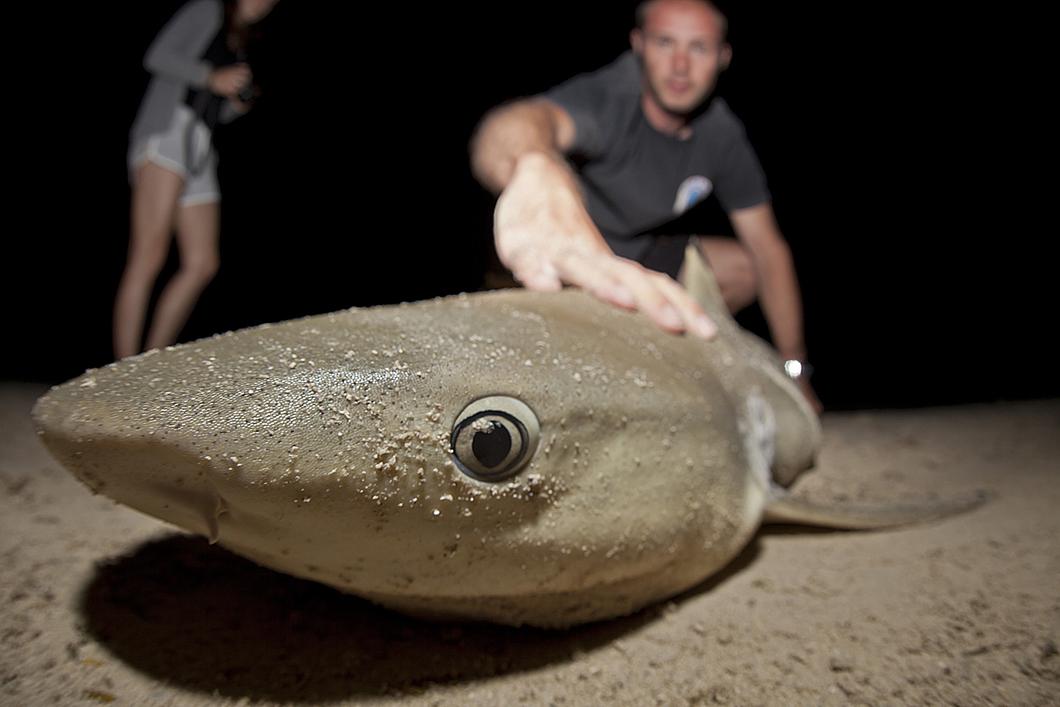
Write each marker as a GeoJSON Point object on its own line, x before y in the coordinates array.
{"type": "Point", "coordinates": [102, 604]}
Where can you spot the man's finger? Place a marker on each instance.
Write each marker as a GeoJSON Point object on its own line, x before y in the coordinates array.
{"type": "Point", "coordinates": [589, 271]}
{"type": "Point", "coordinates": [535, 272]}
{"type": "Point", "coordinates": [696, 320]}
{"type": "Point", "coordinates": [649, 298]}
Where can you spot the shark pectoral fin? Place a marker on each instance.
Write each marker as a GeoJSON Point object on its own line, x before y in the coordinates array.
{"type": "Point", "coordinates": [798, 431]}
{"type": "Point", "coordinates": [784, 508]}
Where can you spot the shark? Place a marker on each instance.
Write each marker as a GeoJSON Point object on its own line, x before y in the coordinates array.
{"type": "Point", "coordinates": [517, 457]}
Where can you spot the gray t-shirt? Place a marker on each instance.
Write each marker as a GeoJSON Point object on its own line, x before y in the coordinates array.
{"type": "Point", "coordinates": [636, 179]}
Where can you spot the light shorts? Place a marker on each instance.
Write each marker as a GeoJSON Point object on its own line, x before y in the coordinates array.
{"type": "Point", "coordinates": [184, 148]}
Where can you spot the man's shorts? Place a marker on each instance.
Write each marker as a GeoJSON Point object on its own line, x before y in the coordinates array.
{"type": "Point", "coordinates": [184, 148]}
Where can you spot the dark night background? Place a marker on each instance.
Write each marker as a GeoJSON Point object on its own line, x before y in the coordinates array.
{"type": "Point", "coordinates": [923, 278]}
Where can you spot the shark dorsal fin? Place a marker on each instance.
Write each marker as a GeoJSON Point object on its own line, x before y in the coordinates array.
{"type": "Point", "coordinates": [698, 278]}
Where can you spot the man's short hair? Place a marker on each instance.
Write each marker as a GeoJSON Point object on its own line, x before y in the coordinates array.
{"type": "Point", "coordinates": [641, 12]}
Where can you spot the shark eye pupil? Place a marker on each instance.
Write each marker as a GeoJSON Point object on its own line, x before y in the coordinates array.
{"type": "Point", "coordinates": [492, 445]}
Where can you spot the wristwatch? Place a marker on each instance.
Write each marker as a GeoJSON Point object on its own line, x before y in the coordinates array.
{"type": "Point", "coordinates": [797, 369]}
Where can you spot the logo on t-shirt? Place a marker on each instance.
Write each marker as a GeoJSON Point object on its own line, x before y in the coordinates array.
{"type": "Point", "coordinates": [693, 190]}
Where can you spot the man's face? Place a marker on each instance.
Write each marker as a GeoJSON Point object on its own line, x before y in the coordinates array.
{"type": "Point", "coordinates": [682, 51]}
{"type": "Point", "coordinates": [251, 11]}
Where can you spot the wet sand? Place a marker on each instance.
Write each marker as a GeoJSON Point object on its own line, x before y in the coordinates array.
{"type": "Point", "coordinates": [101, 604]}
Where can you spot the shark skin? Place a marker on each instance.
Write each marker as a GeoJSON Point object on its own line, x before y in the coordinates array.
{"type": "Point", "coordinates": [509, 456]}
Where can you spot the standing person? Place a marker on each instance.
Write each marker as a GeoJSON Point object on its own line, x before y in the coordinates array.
{"type": "Point", "coordinates": [200, 78]}
{"type": "Point", "coordinates": [651, 140]}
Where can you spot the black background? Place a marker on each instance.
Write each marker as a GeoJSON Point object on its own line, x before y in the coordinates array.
{"type": "Point", "coordinates": [887, 135]}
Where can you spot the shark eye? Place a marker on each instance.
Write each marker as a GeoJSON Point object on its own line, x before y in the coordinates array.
{"type": "Point", "coordinates": [494, 437]}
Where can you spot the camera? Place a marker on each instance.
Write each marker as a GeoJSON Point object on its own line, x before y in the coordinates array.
{"type": "Point", "coordinates": [247, 93]}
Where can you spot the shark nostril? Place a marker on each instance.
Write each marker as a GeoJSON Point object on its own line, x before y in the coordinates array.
{"type": "Point", "coordinates": [494, 437]}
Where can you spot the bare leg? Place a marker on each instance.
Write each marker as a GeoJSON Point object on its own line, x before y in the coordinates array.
{"type": "Point", "coordinates": [198, 227]}
{"type": "Point", "coordinates": [733, 270]}
{"type": "Point", "coordinates": [154, 201]}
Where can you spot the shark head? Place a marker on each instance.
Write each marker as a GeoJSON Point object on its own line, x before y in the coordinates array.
{"type": "Point", "coordinates": [515, 456]}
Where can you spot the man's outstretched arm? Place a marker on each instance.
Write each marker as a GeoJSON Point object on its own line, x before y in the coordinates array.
{"type": "Point", "coordinates": [778, 286]}
{"type": "Point", "coordinates": [542, 230]}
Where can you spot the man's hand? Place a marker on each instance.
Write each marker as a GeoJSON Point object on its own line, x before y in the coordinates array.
{"type": "Point", "coordinates": [546, 238]}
